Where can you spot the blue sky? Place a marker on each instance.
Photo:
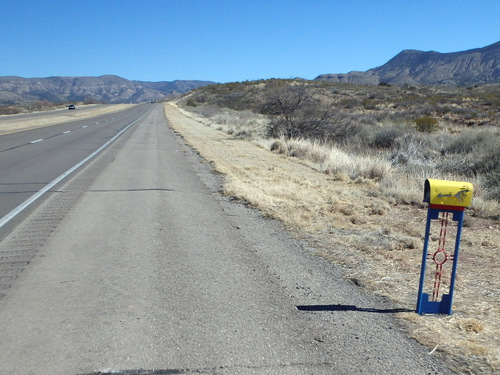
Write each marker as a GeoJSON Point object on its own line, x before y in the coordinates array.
{"type": "Point", "coordinates": [225, 41]}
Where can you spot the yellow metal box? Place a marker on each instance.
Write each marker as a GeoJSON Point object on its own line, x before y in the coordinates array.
{"type": "Point", "coordinates": [448, 193]}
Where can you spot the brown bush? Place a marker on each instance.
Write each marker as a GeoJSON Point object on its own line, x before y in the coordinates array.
{"type": "Point", "coordinates": [426, 124]}
{"type": "Point", "coordinates": [10, 110]}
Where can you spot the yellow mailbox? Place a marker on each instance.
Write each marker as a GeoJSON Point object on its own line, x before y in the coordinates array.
{"type": "Point", "coordinates": [445, 198]}
{"type": "Point", "coordinates": [448, 193]}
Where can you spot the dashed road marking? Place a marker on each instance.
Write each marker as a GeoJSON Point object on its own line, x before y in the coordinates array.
{"type": "Point", "coordinates": [4, 220]}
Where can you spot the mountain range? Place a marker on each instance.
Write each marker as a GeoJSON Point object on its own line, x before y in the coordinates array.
{"type": "Point", "coordinates": [472, 67]}
{"type": "Point", "coordinates": [108, 89]}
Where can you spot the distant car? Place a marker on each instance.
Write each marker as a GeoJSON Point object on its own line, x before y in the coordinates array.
{"type": "Point", "coordinates": [153, 101]}
{"type": "Point", "coordinates": [71, 106]}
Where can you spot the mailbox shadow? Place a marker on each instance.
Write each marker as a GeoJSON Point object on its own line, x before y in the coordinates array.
{"type": "Point", "coordinates": [349, 308]}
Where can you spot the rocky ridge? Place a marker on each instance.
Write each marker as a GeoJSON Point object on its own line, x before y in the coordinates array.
{"type": "Point", "coordinates": [108, 89]}
{"type": "Point", "coordinates": [472, 67]}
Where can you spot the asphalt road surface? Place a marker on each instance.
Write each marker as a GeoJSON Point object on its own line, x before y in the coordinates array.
{"type": "Point", "coordinates": [30, 160]}
{"type": "Point", "coordinates": [136, 265]}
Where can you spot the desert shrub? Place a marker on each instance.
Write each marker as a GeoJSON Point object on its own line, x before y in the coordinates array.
{"type": "Point", "coordinates": [41, 105]}
{"type": "Point", "coordinates": [488, 166]}
{"type": "Point", "coordinates": [475, 154]}
{"type": "Point", "coordinates": [492, 183]}
{"type": "Point", "coordinates": [412, 148]}
{"type": "Point", "coordinates": [426, 124]}
{"type": "Point", "coordinates": [333, 160]}
{"type": "Point", "coordinates": [463, 165]}
{"type": "Point", "coordinates": [406, 183]}
{"type": "Point", "coordinates": [297, 112]}
{"type": "Point", "coordinates": [207, 111]}
{"type": "Point", "coordinates": [9, 110]}
{"type": "Point", "coordinates": [443, 110]}
{"type": "Point", "coordinates": [233, 100]}
{"type": "Point", "coordinates": [489, 162]}
{"type": "Point", "coordinates": [472, 140]}
{"type": "Point", "coordinates": [385, 138]}
{"type": "Point", "coordinates": [90, 100]}
{"type": "Point", "coordinates": [289, 107]}
{"type": "Point", "coordinates": [341, 128]}
{"type": "Point", "coordinates": [241, 124]}
{"type": "Point", "coordinates": [279, 147]}
{"type": "Point", "coordinates": [198, 97]}
{"type": "Point", "coordinates": [349, 103]}
{"type": "Point", "coordinates": [369, 103]}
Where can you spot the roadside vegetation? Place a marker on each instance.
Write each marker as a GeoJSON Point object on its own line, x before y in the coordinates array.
{"type": "Point", "coordinates": [344, 166]}
{"type": "Point", "coordinates": [36, 106]}
{"type": "Point", "coordinates": [39, 106]}
{"type": "Point", "coordinates": [394, 135]}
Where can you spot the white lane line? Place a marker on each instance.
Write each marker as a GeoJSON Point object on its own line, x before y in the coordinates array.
{"type": "Point", "coordinates": [85, 126]}
{"type": "Point", "coordinates": [16, 211]}
{"type": "Point", "coordinates": [66, 132]}
{"type": "Point", "coordinates": [38, 140]}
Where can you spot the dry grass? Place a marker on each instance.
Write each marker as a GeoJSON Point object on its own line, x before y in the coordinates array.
{"type": "Point", "coordinates": [384, 144]}
{"type": "Point", "coordinates": [443, 131]}
{"type": "Point", "coordinates": [376, 239]}
{"type": "Point", "coordinates": [242, 124]}
{"type": "Point", "coordinates": [334, 161]}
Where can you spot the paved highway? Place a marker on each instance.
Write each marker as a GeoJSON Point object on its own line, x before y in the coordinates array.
{"type": "Point", "coordinates": [137, 265]}
{"type": "Point", "coordinates": [30, 160]}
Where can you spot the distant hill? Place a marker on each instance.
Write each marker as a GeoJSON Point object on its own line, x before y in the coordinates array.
{"type": "Point", "coordinates": [472, 67]}
{"type": "Point", "coordinates": [108, 89]}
